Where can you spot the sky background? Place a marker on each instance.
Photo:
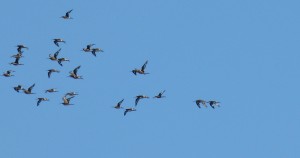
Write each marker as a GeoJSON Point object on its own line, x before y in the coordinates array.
{"type": "Point", "coordinates": [244, 54]}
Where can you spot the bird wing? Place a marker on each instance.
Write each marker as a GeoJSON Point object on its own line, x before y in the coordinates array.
{"type": "Point", "coordinates": [56, 53]}
{"type": "Point", "coordinates": [144, 66]}
{"type": "Point", "coordinates": [30, 88]}
{"type": "Point", "coordinates": [38, 102]}
{"type": "Point", "coordinates": [125, 112]}
{"type": "Point", "coordinates": [137, 100]}
{"type": "Point", "coordinates": [59, 62]}
{"type": "Point", "coordinates": [49, 73]}
{"type": "Point", "coordinates": [17, 60]}
{"type": "Point", "coordinates": [75, 70]}
{"type": "Point", "coordinates": [56, 43]}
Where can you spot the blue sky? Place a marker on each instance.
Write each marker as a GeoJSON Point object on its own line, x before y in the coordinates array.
{"type": "Point", "coordinates": [244, 54]}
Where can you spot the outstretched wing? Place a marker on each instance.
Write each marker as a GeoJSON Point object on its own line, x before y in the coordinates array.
{"type": "Point", "coordinates": [137, 100]}
{"type": "Point", "coordinates": [30, 88]}
{"type": "Point", "coordinates": [125, 112]}
{"type": "Point", "coordinates": [17, 60]}
{"type": "Point", "coordinates": [38, 102]}
{"type": "Point", "coordinates": [59, 62]}
{"type": "Point", "coordinates": [56, 43]}
{"type": "Point", "coordinates": [56, 53]}
{"type": "Point", "coordinates": [76, 69]}
{"type": "Point", "coordinates": [144, 66]}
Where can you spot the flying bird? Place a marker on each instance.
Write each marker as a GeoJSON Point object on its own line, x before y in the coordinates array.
{"type": "Point", "coordinates": [88, 48]}
{"type": "Point", "coordinates": [54, 57]}
{"type": "Point", "coordinates": [16, 62]}
{"type": "Point", "coordinates": [50, 71]}
{"type": "Point", "coordinates": [199, 102]}
{"type": "Point", "coordinates": [139, 97]}
{"type": "Point", "coordinates": [28, 91]}
{"type": "Point", "coordinates": [17, 88]}
{"type": "Point", "coordinates": [95, 50]}
{"type": "Point", "coordinates": [8, 73]}
{"type": "Point", "coordinates": [57, 40]}
{"type": "Point", "coordinates": [67, 15]}
{"type": "Point", "coordinates": [213, 103]}
{"type": "Point", "coordinates": [71, 94]}
{"type": "Point", "coordinates": [51, 90]}
{"type": "Point", "coordinates": [118, 106]}
{"type": "Point", "coordinates": [40, 100]}
{"type": "Point", "coordinates": [66, 101]}
{"type": "Point", "coordinates": [20, 47]}
{"type": "Point", "coordinates": [142, 70]}
{"type": "Point", "coordinates": [60, 60]}
{"type": "Point", "coordinates": [73, 73]}
{"type": "Point", "coordinates": [129, 110]}
{"type": "Point", "coordinates": [160, 95]}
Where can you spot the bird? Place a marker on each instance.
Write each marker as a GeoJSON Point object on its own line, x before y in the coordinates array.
{"type": "Point", "coordinates": [16, 62]}
{"type": "Point", "coordinates": [88, 48]}
{"type": "Point", "coordinates": [71, 94]}
{"type": "Point", "coordinates": [57, 40]}
{"type": "Point", "coordinates": [129, 110]}
{"type": "Point", "coordinates": [51, 90]}
{"type": "Point", "coordinates": [213, 103]}
{"type": "Point", "coordinates": [160, 95]}
{"type": "Point", "coordinates": [20, 47]}
{"type": "Point", "coordinates": [60, 60]}
{"type": "Point", "coordinates": [95, 50]}
{"type": "Point", "coordinates": [199, 102]}
{"type": "Point", "coordinates": [66, 101]}
{"type": "Point", "coordinates": [54, 57]}
{"type": "Point", "coordinates": [28, 91]}
{"type": "Point", "coordinates": [73, 73]}
{"type": "Point", "coordinates": [8, 73]}
{"type": "Point", "coordinates": [139, 97]}
{"type": "Point", "coordinates": [142, 70]}
{"type": "Point", "coordinates": [52, 70]}
{"type": "Point", "coordinates": [118, 106]}
{"type": "Point", "coordinates": [67, 15]}
{"type": "Point", "coordinates": [17, 88]}
{"type": "Point", "coordinates": [40, 100]}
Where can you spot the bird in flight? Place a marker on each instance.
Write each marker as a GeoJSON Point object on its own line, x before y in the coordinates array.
{"type": "Point", "coordinates": [73, 73]}
{"type": "Point", "coordinates": [88, 48]}
{"type": "Point", "coordinates": [199, 102]}
{"type": "Point", "coordinates": [54, 57]}
{"type": "Point", "coordinates": [60, 60]}
{"type": "Point", "coordinates": [20, 47]}
{"type": "Point", "coordinates": [138, 98]}
{"type": "Point", "coordinates": [8, 73]}
{"type": "Point", "coordinates": [160, 95]}
{"type": "Point", "coordinates": [57, 40]}
{"type": "Point", "coordinates": [67, 15]}
{"type": "Point", "coordinates": [129, 110]}
{"type": "Point", "coordinates": [213, 103]}
{"type": "Point", "coordinates": [71, 94]}
{"type": "Point", "coordinates": [50, 72]}
{"type": "Point", "coordinates": [40, 100]}
{"type": "Point", "coordinates": [66, 101]}
{"type": "Point", "coordinates": [17, 88]}
{"type": "Point", "coordinates": [142, 70]}
{"type": "Point", "coordinates": [118, 106]}
{"type": "Point", "coordinates": [95, 50]}
{"type": "Point", "coordinates": [28, 91]}
{"type": "Point", "coordinates": [51, 90]}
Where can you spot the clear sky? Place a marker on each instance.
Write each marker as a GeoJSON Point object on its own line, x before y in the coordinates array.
{"type": "Point", "coordinates": [244, 54]}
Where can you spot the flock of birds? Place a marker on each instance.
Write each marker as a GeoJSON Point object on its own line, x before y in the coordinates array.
{"type": "Point", "coordinates": [74, 74]}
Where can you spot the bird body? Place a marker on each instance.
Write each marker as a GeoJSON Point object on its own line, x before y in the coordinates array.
{"type": "Point", "coordinates": [73, 73]}
{"type": "Point", "coordinates": [17, 88]}
{"type": "Point", "coordinates": [67, 15]}
{"type": "Point", "coordinates": [60, 60]}
{"type": "Point", "coordinates": [16, 62]}
{"type": "Point", "coordinates": [51, 90]}
{"type": "Point", "coordinates": [57, 40]}
{"type": "Point", "coordinates": [66, 101]}
{"type": "Point", "coordinates": [54, 57]}
{"type": "Point", "coordinates": [213, 103]}
{"type": "Point", "coordinates": [160, 95]}
{"type": "Point", "coordinates": [199, 102]}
